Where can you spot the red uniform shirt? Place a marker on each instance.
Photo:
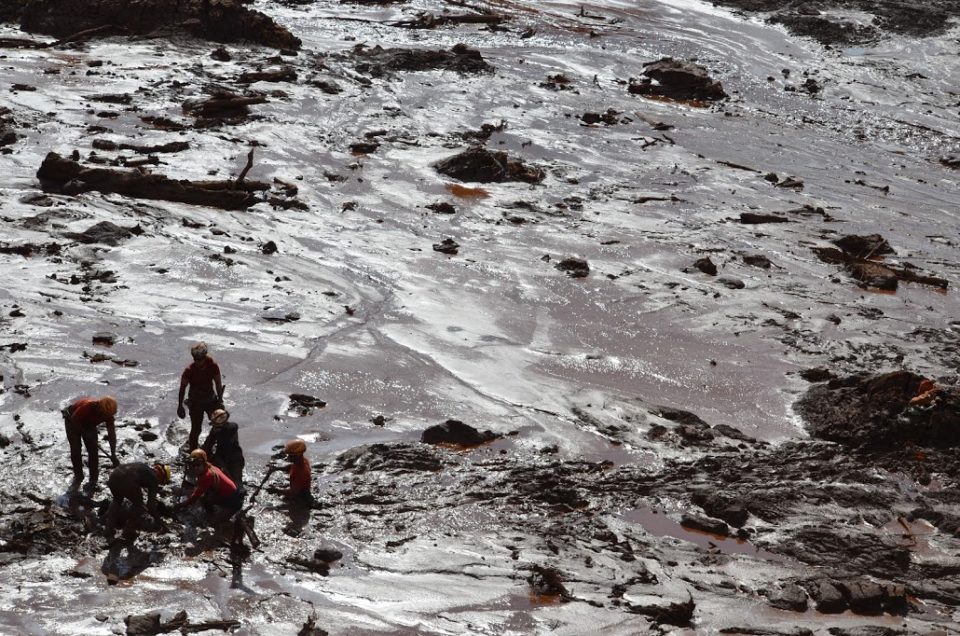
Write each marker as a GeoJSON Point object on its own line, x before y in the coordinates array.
{"type": "Point", "coordinates": [216, 480]}
{"type": "Point", "coordinates": [299, 477]}
{"type": "Point", "coordinates": [87, 412]}
{"type": "Point", "coordinates": [201, 379]}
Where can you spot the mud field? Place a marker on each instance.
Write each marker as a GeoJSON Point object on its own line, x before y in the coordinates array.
{"type": "Point", "coordinates": [674, 270]}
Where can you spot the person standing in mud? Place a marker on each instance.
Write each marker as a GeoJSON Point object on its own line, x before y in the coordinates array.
{"type": "Point", "coordinates": [223, 446]}
{"type": "Point", "coordinates": [298, 472]}
{"type": "Point", "coordinates": [127, 483]}
{"type": "Point", "coordinates": [81, 419]}
{"type": "Point", "coordinates": [206, 391]}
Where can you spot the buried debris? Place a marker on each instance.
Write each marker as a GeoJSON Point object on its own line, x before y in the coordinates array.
{"type": "Point", "coordinates": [379, 62]}
{"type": "Point", "coordinates": [677, 79]}
{"type": "Point", "coordinates": [150, 624]}
{"type": "Point", "coordinates": [222, 107]}
{"type": "Point", "coordinates": [456, 432]}
{"type": "Point", "coordinates": [479, 165]}
{"type": "Point", "coordinates": [223, 21]}
{"type": "Point", "coordinates": [303, 404]}
{"type": "Point", "coordinates": [546, 581]}
{"type": "Point", "coordinates": [105, 232]}
{"type": "Point", "coordinates": [574, 267]}
{"type": "Point", "coordinates": [856, 255]}
{"type": "Point", "coordinates": [679, 614]}
{"type": "Point", "coordinates": [65, 176]}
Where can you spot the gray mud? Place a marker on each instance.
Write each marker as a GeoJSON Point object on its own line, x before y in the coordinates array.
{"type": "Point", "coordinates": [631, 286]}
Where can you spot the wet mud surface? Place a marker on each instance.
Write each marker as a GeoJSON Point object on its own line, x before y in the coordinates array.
{"type": "Point", "coordinates": [608, 318]}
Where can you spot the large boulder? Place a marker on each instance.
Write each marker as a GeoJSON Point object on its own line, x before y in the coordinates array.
{"type": "Point", "coordinates": [677, 79]}
{"type": "Point", "coordinates": [874, 411]}
{"type": "Point", "coordinates": [222, 21]}
{"type": "Point", "coordinates": [456, 432]}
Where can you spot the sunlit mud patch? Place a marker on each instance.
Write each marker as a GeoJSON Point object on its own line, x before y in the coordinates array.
{"type": "Point", "coordinates": [659, 524]}
{"type": "Point", "coordinates": [466, 192]}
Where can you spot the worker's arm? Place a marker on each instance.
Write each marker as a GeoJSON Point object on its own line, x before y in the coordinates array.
{"type": "Point", "coordinates": [181, 412]}
{"type": "Point", "coordinates": [218, 381]}
{"type": "Point", "coordinates": [112, 439]}
{"type": "Point", "coordinates": [203, 484]}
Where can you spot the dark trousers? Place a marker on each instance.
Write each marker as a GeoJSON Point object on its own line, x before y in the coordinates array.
{"type": "Point", "coordinates": [87, 435]}
{"type": "Point", "coordinates": [199, 408]}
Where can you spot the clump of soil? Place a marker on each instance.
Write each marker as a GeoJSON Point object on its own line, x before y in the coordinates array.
{"type": "Point", "coordinates": [873, 411]}
{"type": "Point", "coordinates": [479, 165]}
{"type": "Point", "coordinates": [223, 21]}
{"type": "Point", "coordinates": [380, 62]}
{"type": "Point", "coordinates": [677, 79]}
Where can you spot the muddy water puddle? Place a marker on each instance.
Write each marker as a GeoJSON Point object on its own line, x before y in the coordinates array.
{"type": "Point", "coordinates": [657, 523]}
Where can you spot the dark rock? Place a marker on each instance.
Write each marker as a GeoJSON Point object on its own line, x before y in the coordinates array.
{"type": "Point", "coordinates": [733, 433]}
{"type": "Point", "coordinates": [869, 630]}
{"type": "Point", "coordinates": [609, 118]}
{"type": "Point", "coordinates": [105, 232]}
{"type": "Point", "coordinates": [757, 260]}
{"type": "Point", "coordinates": [706, 266]}
{"type": "Point", "coordinates": [720, 506]}
{"type": "Point", "coordinates": [731, 283]}
{"type": "Point", "coordinates": [220, 54]}
{"type": "Point", "coordinates": [269, 248]}
{"type": "Point", "coordinates": [828, 597]}
{"type": "Point", "coordinates": [148, 436]}
{"type": "Point", "coordinates": [826, 30]}
{"type": "Point", "coordinates": [545, 581]}
{"type": "Point", "coordinates": [677, 613]}
{"type": "Point", "coordinates": [328, 555]}
{"type": "Point", "coordinates": [447, 246]}
{"type": "Point", "coordinates": [869, 597]}
{"type": "Point", "coordinates": [456, 432]}
{"type": "Point", "coordinates": [479, 165]}
{"type": "Point", "coordinates": [677, 79]}
{"type": "Point", "coordinates": [757, 218]}
{"type": "Point", "coordinates": [442, 207]}
{"type": "Point", "coordinates": [817, 374]}
{"type": "Point", "coordinates": [574, 267]}
{"type": "Point", "coordinates": [789, 597]}
{"type": "Point", "coordinates": [680, 416]}
{"type": "Point", "coordinates": [225, 21]}
{"type": "Point", "coordinates": [363, 147]}
{"type": "Point", "coordinates": [104, 338]}
{"type": "Point", "coordinates": [704, 524]}
{"type": "Point", "coordinates": [143, 624]}
{"type": "Point", "coordinates": [867, 246]}
{"type": "Point", "coordinates": [311, 565]}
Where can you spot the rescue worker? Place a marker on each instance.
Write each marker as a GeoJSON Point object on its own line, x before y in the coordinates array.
{"type": "Point", "coordinates": [127, 483]}
{"type": "Point", "coordinates": [81, 419]}
{"type": "Point", "coordinates": [298, 472]}
{"type": "Point", "coordinates": [223, 446]}
{"type": "Point", "coordinates": [212, 482]}
{"type": "Point", "coordinates": [219, 490]}
{"type": "Point", "coordinates": [206, 391]}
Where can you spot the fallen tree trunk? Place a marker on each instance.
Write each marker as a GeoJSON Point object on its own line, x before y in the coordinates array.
{"type": "Point", "coordinates": [65, 176]}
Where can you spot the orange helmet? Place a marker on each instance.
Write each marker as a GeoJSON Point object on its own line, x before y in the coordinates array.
{"type": "Point", "coordinates": [199, 350]}
{"type": "Point", "coordinates": [219, 416]}
{"type": "Point", "coordinates": [295, 447]}
{"type": "Point", "coordinates": [198, 455]}
{"type": "Point", "coordinates": [109, 405]}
